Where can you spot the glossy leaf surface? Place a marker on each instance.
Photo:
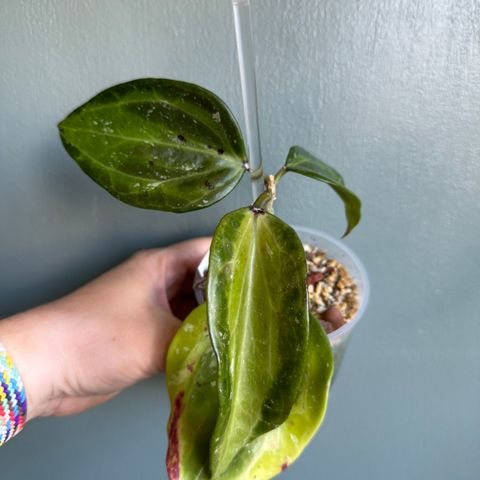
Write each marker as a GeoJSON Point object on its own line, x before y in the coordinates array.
{"type": "Point", "coordinates": [157, 143]}
{"type": "Point", "coordinates": [192, 391]}
{"type": "Point", "coordinates": [275, 451]}
{"type": "Point", "coordinates": [257, 314]}
{"type": "Point", "coordinates": [303, 162]}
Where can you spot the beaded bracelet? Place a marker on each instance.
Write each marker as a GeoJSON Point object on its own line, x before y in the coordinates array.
{"type": "Point", "coordinates": [13, 403]}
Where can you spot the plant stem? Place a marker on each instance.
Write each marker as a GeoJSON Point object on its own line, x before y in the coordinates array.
{"type": "Point", "coordinates": [267, 197]}
{"type": "Point", "coordinates": [280, 174]}
{"type": "Point", "coordinates": [269, 182]}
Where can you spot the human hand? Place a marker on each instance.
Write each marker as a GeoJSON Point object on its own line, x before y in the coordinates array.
{"type": "Point", "coordinates": [81, 350]}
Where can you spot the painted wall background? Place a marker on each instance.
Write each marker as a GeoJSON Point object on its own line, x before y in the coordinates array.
{"type": "Point", "coordinates": [388, 91]}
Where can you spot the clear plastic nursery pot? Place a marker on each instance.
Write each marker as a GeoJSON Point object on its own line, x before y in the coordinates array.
{"type": "Point", "coordinates": [339, 251]}
{"type": "Point", "coordinates": [334, 249]}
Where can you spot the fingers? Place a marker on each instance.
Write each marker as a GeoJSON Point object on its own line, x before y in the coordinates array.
{"type": "Point", "coordinates": [186, 256]}
{"type": "Point", "coordinates": [181, 261]}
{"type": "Point", "coordinates": [173, 273]}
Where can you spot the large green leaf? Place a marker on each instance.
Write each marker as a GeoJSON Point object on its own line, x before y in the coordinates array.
{"type": "Point", "coordinates": [191, 375]}
{"type": "Point", "coordinates": [273, 452]}
{"type": "Point", "coordinates": [303, 162]}
{"type": "Point", "coordinates": [157, 143]}
{"type": "Point", "coordinates": [258, 321]}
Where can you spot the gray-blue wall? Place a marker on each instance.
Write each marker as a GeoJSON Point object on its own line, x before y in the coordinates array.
{"type": "Point", "coordinates": [388, 91]}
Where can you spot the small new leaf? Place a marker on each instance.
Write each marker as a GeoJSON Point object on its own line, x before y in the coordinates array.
{"type": "Point", "coordinates": [304, 163]}
{"type": "Point", "coordinates": [158, 144]}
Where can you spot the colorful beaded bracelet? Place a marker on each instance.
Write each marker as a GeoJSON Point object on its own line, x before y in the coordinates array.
{"type": "Point", "coordinates": [13, 403]}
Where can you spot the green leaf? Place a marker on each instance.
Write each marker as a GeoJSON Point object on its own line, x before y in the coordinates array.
{"type": "Point", "coordinates": [191, 375]}
{"type": "Point", "coordinates": [157, 143]}
{"type": "Point", "coordinates": [192, 387]}
{"type": "Point", "coordinates": [303, 162]}
{"type": "Point", "coordinates": [273, 452]}
{"type": "Point", "coordinates": [258, 321]}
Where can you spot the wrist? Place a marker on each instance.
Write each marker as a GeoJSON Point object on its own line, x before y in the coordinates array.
{"type": "Point", "coordinates": [27, 339]}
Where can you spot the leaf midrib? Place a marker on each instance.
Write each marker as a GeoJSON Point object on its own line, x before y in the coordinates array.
{"type": "Point", "coordinates": [232, 402]}
{"type": "Point", "coordinates": [159, 182]}
{"type": "Point", "coordinates": [127, 138]}
{"type": "Point", "coordinates": [120, 103]}
{"type": "Point", "coordinates": [243, 340]}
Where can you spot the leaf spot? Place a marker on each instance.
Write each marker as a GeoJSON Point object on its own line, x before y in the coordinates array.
{"type": "Point", "coordinates": [181, 138]}
{"type": "Point", "coordinates": [220, 151]}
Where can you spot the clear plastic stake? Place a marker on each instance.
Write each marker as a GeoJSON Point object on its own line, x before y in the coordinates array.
{"type": "Point", "coordinates": [246, 64]}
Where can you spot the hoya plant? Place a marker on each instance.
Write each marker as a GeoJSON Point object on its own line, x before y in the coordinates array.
{"type": "Point", "coordinates": [248, 372]}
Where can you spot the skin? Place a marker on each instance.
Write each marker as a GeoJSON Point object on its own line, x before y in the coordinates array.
{"type": "Point", "coordinates": [81, 350]}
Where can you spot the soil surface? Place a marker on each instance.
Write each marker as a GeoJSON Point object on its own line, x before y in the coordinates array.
{"type": "Point", "coordinates": [332, 292]}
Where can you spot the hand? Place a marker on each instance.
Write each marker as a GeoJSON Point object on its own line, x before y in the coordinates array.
{"type": "Point", "coordinates": [81, 350]}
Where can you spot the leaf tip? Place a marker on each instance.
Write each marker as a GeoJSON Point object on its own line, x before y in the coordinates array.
{"type": "Point", "coordinates": [351, 225]}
